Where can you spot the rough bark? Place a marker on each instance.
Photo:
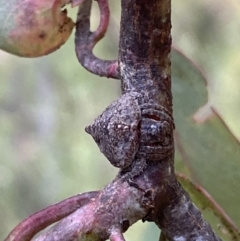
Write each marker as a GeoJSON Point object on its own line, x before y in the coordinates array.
{"type": "Point", "coordinates": [146, 187]}
{"type": "Point", "coordinates": [144, 54]}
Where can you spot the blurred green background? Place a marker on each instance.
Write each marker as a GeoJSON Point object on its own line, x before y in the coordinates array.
{"type": "Point", "coordinates": [45, 104]}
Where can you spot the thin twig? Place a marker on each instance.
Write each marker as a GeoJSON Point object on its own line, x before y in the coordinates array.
{"type": "Point", "coordinates": [85, 40]}
{"type": "Point", "coordinates": [40, 220]}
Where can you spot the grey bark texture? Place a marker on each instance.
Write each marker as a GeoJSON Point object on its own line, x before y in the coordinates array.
{"type": "Point", "coordinates": [135, 133]}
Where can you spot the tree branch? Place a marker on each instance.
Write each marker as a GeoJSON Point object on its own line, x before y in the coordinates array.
{"type": "Point", "coordinates": [135, 133]}
{"type": "Point", "coordinates": [108, 215]}
{"type": "Point", "coordinates": [144, 54]}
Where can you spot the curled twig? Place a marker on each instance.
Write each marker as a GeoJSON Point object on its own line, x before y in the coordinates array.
{"type": "Point", "coordinates": [85, 40]}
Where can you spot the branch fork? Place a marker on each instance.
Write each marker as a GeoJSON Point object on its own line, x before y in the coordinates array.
{"type": "Point", "coordinates": [153, 193]}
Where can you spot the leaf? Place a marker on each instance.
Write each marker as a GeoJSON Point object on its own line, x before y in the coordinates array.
{"type": "Point", "coordinates": [204, 201]}
{"type": "Point", "coordinates": [32, 28]}
{"type": "Point", "coordinates": [209, 151]}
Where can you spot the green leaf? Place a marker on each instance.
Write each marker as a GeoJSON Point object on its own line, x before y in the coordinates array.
{"type": "Point", "coordinates": [210, 153]}
{"type": "Point", "coordinates": [227, 229]}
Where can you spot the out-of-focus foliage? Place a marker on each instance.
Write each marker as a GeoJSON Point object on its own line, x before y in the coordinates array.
{"type": "Point", "coordinates": [223, 226]}
{"type": "Point", "coordinates": [208, 150]}
{"type": "Point", "coordinates": [45, 104]}
{"type": "Point", "coordinates": [208, 32]}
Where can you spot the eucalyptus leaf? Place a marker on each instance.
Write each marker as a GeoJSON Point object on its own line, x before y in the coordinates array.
{"type": "Point", "coordinates": [210, 152]}
{"type": "Point", "coordinates": [226, 228]}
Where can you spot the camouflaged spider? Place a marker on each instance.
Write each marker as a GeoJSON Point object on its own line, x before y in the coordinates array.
{"type": "Point", "coordinates": [130, 134]}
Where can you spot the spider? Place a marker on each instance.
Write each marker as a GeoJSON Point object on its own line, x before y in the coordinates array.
{"type": "Point", "coordinates": [130, 134]}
